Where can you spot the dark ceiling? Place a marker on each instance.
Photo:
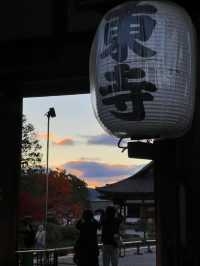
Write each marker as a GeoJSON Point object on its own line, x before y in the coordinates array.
{"type": "Point", "coordinates": [45, 45]}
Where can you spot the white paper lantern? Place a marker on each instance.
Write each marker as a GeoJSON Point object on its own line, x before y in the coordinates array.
{"type": "Point", "coordinates": [142, 70]}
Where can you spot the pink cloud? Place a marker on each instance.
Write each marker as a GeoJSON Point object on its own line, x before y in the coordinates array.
{"type": "Point", "coordinates": [75, 172]}
{"type": "Point", "coordinates": [103, 139]}
{"type": "Point", "coordinates": [96, 173]}
{"type": "Point", "coordinates": [96, 169]}
{"type": "Point", "coordinates": [65, 141]}
{"type": "Point", "coordinates": [55, 140]}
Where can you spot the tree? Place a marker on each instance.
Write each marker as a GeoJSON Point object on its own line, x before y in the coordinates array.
{"type": "Point", "coordinates": [79, 190]}
{"type": "Point", "coordinates": [31, 155]}
{"type": "Point", "coordinates": [67, 194]}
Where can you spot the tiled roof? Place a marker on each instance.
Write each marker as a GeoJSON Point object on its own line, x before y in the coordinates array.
{"type": "Point", "coordinates": [133, 186]}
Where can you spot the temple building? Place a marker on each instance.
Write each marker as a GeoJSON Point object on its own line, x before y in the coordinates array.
{"type": "Point", "coordinates": [134, 195]}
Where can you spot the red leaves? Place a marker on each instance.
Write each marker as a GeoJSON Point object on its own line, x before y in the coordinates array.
{"type": "Point", "coordinates": [62, 194]}
{"type": "Point", "coordinates": [31, 206]}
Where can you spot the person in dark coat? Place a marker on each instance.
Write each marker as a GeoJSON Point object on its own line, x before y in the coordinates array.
{"type": "Point", "coordinates": [28, 234]}
{"type": "Point", "coordinates": [28, 241]}
{"type": "Point", "coordinates": [110, 236]}
{"type": "Point", "coordinates": [86, 248]}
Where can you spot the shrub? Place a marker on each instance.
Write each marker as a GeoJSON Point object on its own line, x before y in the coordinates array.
{"type": "Point", "coordinates": [54, 235]}
{"type": "Point", "coordinates": [60, 236]}
{"type": "Point", "coordinates": [69, 232]}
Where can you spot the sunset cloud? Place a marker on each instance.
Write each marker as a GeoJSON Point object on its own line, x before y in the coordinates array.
{"type": "Point", "coordinates": [102, 139]}
{"type": "Point", "coordinates": [64, 142]}
{"type": "Point", "coordinates": [99, 169]}
{"type": "Point", "coordinates": [98, 173]}
{"type": "Point", "coordinates": [55, 139]}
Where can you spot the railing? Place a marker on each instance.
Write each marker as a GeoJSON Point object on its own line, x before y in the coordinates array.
{"type": "Point", "coordinates": [138, 245]}
{"type": "Point", "coordinates": [49, 257]}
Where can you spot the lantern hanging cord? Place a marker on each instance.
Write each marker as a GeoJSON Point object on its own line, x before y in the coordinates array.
{"type": "Point", "coordinates": [121, 147]}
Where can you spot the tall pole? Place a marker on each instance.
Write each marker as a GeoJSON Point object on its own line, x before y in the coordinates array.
{"type": "Point", "coordinates": [50, 113]}
{"type": "Point", "coordinates": [47, 179]}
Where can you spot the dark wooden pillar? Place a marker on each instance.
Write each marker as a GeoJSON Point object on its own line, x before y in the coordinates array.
{"type": "Point", "coordinates": [10, 135]}
{"type": "Point", "coordinates": [177, 189]}
{"type": "Point", "coordinates": [189, 154]}
{"type": "Point", "coordinates": [167, 209]}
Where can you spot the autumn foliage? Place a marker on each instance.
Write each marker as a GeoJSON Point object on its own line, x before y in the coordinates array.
{"type": "Point", "coordinates": [67, 194]}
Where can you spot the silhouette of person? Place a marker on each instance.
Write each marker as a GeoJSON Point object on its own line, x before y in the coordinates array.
{"type": "Point", "coordinates": [40, 237]}
{"type": "Point", "coordinates": [28, 234]}
{"type": "Point", "coordinates": [86, 247]}
{"type": "Point", "coordinates": [110, 236]}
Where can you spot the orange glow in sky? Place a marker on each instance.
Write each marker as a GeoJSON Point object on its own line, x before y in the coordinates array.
{"type": "Point", "coordinates": [77, 141]}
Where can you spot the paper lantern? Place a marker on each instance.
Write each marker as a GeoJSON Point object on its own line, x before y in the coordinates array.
{"type": "Point", "coordinates": [142, 70]}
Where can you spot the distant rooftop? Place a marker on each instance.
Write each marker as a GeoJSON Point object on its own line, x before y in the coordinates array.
{"type": "Point", "coordinates": [139, 185]}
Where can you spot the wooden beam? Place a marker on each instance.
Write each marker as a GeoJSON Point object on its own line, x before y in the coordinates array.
{"type": "Point", "coordinates": [10, 119]}
{"type": "Point", "coordinates": [65, 86]}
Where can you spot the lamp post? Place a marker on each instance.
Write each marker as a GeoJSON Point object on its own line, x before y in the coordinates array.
{"type": "Point", "coordinates": [51, 113]}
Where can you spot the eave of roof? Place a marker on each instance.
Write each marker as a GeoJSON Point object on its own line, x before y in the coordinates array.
{"type": "Point", "coordinates": [135, 186]}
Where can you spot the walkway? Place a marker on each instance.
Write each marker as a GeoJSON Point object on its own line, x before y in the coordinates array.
{"type": "Point", "coordinates": [131, 259]}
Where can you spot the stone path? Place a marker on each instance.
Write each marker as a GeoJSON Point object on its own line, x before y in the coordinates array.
{"type": "Point", "coordinates": [131, 259]}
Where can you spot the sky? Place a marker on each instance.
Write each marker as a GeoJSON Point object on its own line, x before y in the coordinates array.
{"type": "Point", "coordinates": [77, 141]}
